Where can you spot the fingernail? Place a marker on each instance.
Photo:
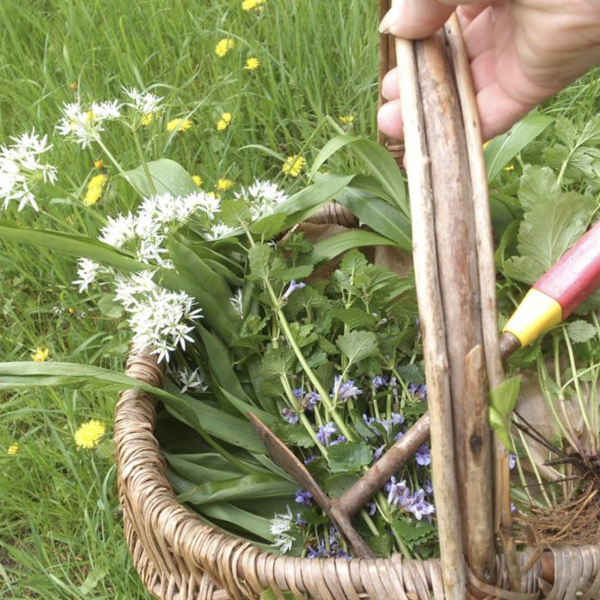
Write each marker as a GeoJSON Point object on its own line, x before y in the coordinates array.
{"type": "Point", "coordinates": [390, 18]}
{"type": "Point", "coordinates": [385, 96]}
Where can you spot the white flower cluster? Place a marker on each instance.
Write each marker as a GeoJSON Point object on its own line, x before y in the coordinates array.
{"type": "Point", "coordinates": [262, 197]}
{"type": "Point", "coordinates": [144, 103]}
{"type": "Point", "coordinates": [84, 125]}
{"type": "Point", "coordinates": [191, 380]}
{"type": "Point", "coordinates": [21, 169]}
{"type": "Point", "coordinates": [280, 528]}
{"type": "Point", "coordinates": [157, 316]}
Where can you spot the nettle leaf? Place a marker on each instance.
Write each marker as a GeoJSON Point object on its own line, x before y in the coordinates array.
{"type": "Point", "coordinates": [581, 331]}
{"type": "Point", "coordinates": [235, 213]}
{"type": "Point", "coordinates": [269, 226]}
{"type": "Point", "coordinates": [355, 317]}
{"type": "Point", "coordinates": [349, 457]}
{"type": "Point", "coordinates": [294, 435]}
{"type": "Point", "coordinates": [357, 345]}
{"type": "Point", "coordinates": [260, 258]}
{"type": "Point", "coordinates": [291, 273]}
{"type": "Point", "coordinates": [277, 362]}
{"type": "Point", "coordinates": [411, 374]}
{"type": "Point", "coordinates": [537, 185]}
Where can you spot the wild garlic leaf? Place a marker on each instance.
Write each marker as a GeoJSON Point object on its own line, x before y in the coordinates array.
{"type": "Point", "coordinates": [357, 345]}
{"type": "Point", "coordinates": [581, 331]}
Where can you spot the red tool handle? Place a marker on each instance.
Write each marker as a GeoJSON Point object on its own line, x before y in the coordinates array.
{"type": "Point", "coordinates": [576, 275]}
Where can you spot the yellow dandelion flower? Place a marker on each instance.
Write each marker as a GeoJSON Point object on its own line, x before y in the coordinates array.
{"type": "Point", "coordinates": [223, 47]}
{"type": "Point", "coordinates": [224, 184]}
{"type": "Point", "coordinates": [41, 354]}
{"type": "Point", "coordinates": [347, 119]}
{"type": "Point", "coordinates": [256, 5]}
{"type": "Point", "coordinates": [88, 435]}
{"type": "Point", "coordinates": [95, 189]}
{"type": "Point", "coordinates": [252, 64]}
{"type": "Point", "coordinates": [293, 165]}
{"type": "Point", "coordinates": [486, 144]}
{"type": "Point", "coordinates": [73, 86]}
{"type": "Point", "coordinates": [71, 311]}
{"type": "Point", "coordinates": [180, 124]}
{"type": "Point", "coordinates": [197, 180]}
{"type": "Point", "coordinates": [13, 449]}
{"type": "Point", "coordinates": [509, 168]}
{"type": "Point", "coordinates": [224, 121]}
{"type": "Point", "coordinates": [147, 119]}
{"type": "Point", "coordinates": [98, 164]}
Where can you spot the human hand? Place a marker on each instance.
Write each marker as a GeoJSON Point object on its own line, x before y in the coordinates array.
{"type": "Point", "coordinates": [521, 52]}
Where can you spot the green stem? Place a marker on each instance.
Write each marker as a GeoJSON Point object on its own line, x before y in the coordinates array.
{"type": "Point", "coordinates": [138, 146]}
{"type": "Point", "coordinates": [583, 408]}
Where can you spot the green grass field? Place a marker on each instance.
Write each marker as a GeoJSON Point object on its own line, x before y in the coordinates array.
{"type": "Point", "coordinates": [60, 529]}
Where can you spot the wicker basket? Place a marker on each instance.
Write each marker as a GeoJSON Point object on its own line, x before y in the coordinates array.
{"type": "Point", "coordinates": [180, 558]}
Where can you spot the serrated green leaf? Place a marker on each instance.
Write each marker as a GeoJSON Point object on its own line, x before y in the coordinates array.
{"type": "Point", "coordinates": [349, 457]}
{"type": "Point", "coordinates": [235, 213]}
{"type": "Point", "coordinates": [355, 318]}
{"type": "Point", "coordinates": [260, 258]}
{"type": "Point", "coordinates": [537, 186]}
{"type": "Point", "coordinates": [358, 345]}
{"type": "Point", "coordinates": [269, 226]}
{"type": "Point", "coordinates": [411, 374]}
{"type": "Point", "coordinates": [581, 331]}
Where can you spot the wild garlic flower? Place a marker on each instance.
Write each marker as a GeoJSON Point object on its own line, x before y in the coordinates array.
{"type": "Point", "coordinates": [21, 169]}
{"type": "Point", "coordinates": [262, 198]}
{"type": "Point", "coordinates": [281, 525]}
{"type": "Point", "coordinates": [84, 125]}
{"type": "Point", "coordinates": [218, 231]}
{"type": "Point", "coordinates": [237, 302]}
{"type": "Point", "coordinates": [191, 380]}
{"type": "Point", "coordinates": [160, 319]}
{"type": "Point", "coordinates": [146, 104]}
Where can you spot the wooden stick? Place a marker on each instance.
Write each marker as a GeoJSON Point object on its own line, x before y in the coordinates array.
{"type": "Point", "coordinates": [503, 523]}
{"type": "Point", "coordinates": [459, 283]}
{"type": "Point", "coordinates": [432, 324]}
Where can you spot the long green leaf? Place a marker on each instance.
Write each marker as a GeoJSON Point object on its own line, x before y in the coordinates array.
{"type": "Point", "coordinates": [337, 244]}
{"type": "Point", "coordinates": [378, 214]}
{"type": "Point", "coordinates": [504, 148]}
{"type": "Point", "coordinates": [377, 158]}
{"type": "Point", "coordinates": [73, 245]}
{"type": "Point", "coordinates": [200, 473]}
{"type": "Point", "coordinates": [166, 175]}
{"type": "Point", "coordinates": [240, 488]}
{"type": "Point", "coordinates": [198, 415]}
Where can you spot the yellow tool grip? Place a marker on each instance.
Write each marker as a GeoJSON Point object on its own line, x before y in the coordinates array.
{"type": "Point", "coordinates": [535, 314]}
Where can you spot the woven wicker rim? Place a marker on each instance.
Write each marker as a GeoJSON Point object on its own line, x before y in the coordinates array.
{"type": "Point", "coordinates": [180, 558]}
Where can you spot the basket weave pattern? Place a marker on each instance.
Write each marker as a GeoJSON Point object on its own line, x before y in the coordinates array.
{"type": "Point", "coordinates": [180, 558]}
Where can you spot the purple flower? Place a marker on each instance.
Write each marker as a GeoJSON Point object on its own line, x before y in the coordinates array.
{"type": "Point", "coordinates": [304, 497]}
{"type": "Point", "coordinates": [325, 432]}
{"type": "Point", "coordinates": [397, 418]}
{"type": "Point", "coordinates": [312, 399]}
{"type": "Point", "coordinates": [398, 436]}
{"type": "Point", "coordinates": [419, 507]}
{"type": "Point", "coordinates": [428, 487]}
{"type": "Point", "coordinates": [344, 390]}
{"type": "Point", "coordinates": [339, 440]}
{"type": "Point", "coordinates": [422, 456]}
{"type": "Point", "coordinates": [299, 520]}
{"type": "Point", "coordinates": [372, 508]}
{"type": "Point", "coordinates": [377, 454]}
{"type": "Point", "coordinates": [311, 458]}
{"type": "Point", "coordinates": [290, 415]}
{"type": "Point", "coordinates": [418, 391]}
{"type": "Point", "coordinates": [292, 288]}
{"type": "Point", "coordinates": [299, 394]}
{"type": "Point", "coordinates": [513, 508]}
{"type": "Point", "coordinates": [380, 381]}
{"type": "Point", "coordinates": [512, 461]}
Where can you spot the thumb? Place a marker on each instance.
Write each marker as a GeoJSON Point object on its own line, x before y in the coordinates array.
{"type": "Point", "coordinates": [415, 19]}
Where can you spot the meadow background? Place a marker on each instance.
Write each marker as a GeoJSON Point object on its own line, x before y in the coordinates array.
{"type": "Point", "coordinates": [60, 527]}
